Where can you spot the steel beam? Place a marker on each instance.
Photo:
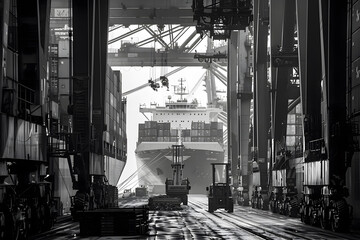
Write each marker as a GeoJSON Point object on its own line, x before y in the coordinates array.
{"type": "Point", "coordinates": [163, 34]}
{"type": "Point", "coordinates": [152, 59]}
{"type": "Point", "coordinates": [261, 99]}
{"type": "Point", "coordinates": [82, 78]}
{"type": "Point", "coordinates": [197, 84]}
{"type": "Point", "coordinates": [307, 13]}
{"type": "Point", "coordinates": [151, 13]}
{"type": "Point", "coordinates": [210, 79]}
{"type": "Point", "coordinates": [157, 37]}
{"type": "Point", "coordinates": [244, 87]}
{"type": "Point", "coordinates": [99, 76]}
{"type": "Point", "coordinates": [137, 4]}
{"type": "Point", "coordinates": [156, 12]}
{"type": "Point", "coordinates": [4, 19]}
{"type": "Point", "coordinates": [89, 73]}
{"type": "Point", "coordinates": [127, 34]}
{"type": "Point", "coordinates": [232, 108]}
{"type": "Point", "coordinates": [282, 30]}
{"type": "Point", "coordinates": [333, 38]}
{"type": "Point", "coordinates": [183, 21]}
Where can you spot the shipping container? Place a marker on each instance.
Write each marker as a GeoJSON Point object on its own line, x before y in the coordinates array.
{"type": "Point", "coordinates": [201, 139]}
{"type": "Point", "coordinates": [213, 132]}
{"type": "Point", "coordinates": [141, 126]}
{"type": "Point", "coordinates": [160, 126]}
{"type": "Point", "coordinates": [355, 72]}
{"type": "Point", "coordinates": [194, 139]}
{"type": "Point", "coordinates": [166, 139]}
{"type": "Point", "coordinates": [355, 16]}
{"type": "Point", "coordinates": [194, 133]}
{"type": "Point", "coordinates": [64, 86]}
{"type": "Point", "coordinates": [186, 133]}
{"type": "Point", "coordinates": [150, 124]}
{"type": "Point", "coordinates": [220, 133]}
{"type": "Point", "coordinates": [64, 68]}
{"type": "Point", "coordinates": [213, 125]}
{"type": "Point", "coordinates": [64, 49]}
{"type": "Point", "coordinates": [166, 133]}
{"type": "Point", "coordinates": [355, 46]}
{"type": "Point", "coordinates": [173, 132]}
{"type": "Point", "coordinates": [355, 99]}
{"type": "Point", "coordinates": [142, 133]}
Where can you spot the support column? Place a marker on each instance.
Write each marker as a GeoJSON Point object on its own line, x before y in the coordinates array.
{"type": "Point", "coordinates": [233, 145]}
{"type": "Point", "coordinates": [99, 67]}
{"type": "Point", "coordinates": [83, 21]}
{"type": "Point", "coordinates": [4, 23]}
{"type": "Point", "coordinates": [244, 99]}
{"type": "Point", "coordinates": [262, 100]}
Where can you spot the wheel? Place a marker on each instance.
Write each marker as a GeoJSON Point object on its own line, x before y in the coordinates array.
{"type": "Point", "coordinates": [2, 226]}
{"type": "Point", "coordinates": [261, 203]}
{"type": "Point", "coordinates": [210, 206]}
{"type": "Point", "coordinates": [12, 230]}
{"type": "Point", "coordinates": [16, 232]}
{"type": "Point", "coordinates": [286, 209]}
{"type": "Point", "coordinates": [230, 207]}
{"type": "Point", "coordinates": [304, 217]}
{"type": "Point", "coordinates": [339, 221]}
{"type": "Point", "coordinates": [49, 221]}
{"type": "Point", "coordinates": [313, 219]}
{"type": "Point", "coordinates": [324, 218]}
{"type": "Point", "coordinates": [253, 202]}
{"type": "Point", "coordinates": [185, 200]}
{"type": "Point", "coordinates": [334, 223]}
{"type": "Point", "coordinates": [293, 208]}
{"type": "Point", "coordinates": [272, 206]}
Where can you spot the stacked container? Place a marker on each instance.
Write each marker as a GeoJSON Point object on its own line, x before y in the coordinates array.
{"type": "Point", "coordinates": [152, 131]}
{"type": "Point", "coordinates": [163, 132]}
{"type": "Point", "coordinates": [206, 132]}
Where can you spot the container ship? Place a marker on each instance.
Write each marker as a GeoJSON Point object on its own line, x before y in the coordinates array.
{"type": "Point", "coordinates": [177, 122]}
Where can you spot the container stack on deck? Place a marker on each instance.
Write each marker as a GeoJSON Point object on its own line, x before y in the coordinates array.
{"type": "Point", "coordinates": [206, 132]}
{"type": "Point", "coordinates": [152, 131]}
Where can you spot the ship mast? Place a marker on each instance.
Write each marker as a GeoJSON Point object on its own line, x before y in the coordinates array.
{"type": "Point", "coordinates": [182, 89]}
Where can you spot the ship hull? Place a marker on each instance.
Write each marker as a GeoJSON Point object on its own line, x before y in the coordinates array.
{"type": "Point", "coordinates": [154, 164]}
